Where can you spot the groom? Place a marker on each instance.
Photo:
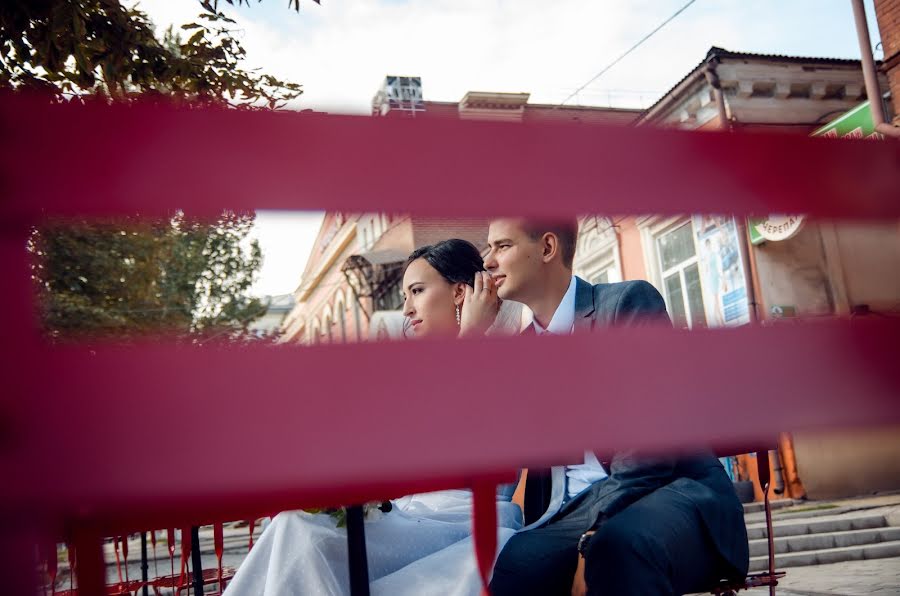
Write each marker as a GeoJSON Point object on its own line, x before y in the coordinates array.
{"type": "Point", "coordinates": [640, 525]}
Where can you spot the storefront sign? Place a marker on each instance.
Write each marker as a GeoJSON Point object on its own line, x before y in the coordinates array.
{"type": "Point", "coordinates": [774, 227]}
{"type": "Point", "coordinates": [855, 124]}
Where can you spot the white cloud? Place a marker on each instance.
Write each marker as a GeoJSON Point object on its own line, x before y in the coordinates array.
{"type": "Point", "coordinates": [340, 51]}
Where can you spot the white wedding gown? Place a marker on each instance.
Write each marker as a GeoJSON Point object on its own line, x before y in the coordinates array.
{"type": "Point", "coordinates": [422, 546]}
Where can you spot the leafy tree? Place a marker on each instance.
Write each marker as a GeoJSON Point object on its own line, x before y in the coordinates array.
{"type": "Point", "coordinates": [102, 49]}
{"type": "Point", "coordinates": [131, 276]}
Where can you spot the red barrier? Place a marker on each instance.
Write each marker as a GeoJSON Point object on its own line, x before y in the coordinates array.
{"type": "Point", "coordinates": [62, 408]}
{"type": "Point", "coordinates": [154, 159]}
{"type": "Point", "coordinates": [324, 445]}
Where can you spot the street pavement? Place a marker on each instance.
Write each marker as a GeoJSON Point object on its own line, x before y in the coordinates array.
{"type": "Point", "coordinates": [879, 577]}
{"type": "Point", "coordinates": [875, 576]}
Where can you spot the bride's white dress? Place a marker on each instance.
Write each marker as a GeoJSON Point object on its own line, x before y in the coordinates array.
{"type": "Point", "coordinates": [422, 546]}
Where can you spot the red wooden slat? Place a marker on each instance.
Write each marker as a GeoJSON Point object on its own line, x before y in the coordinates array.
{"type": "Point", "coordinates": [215, 158]}
{"type": "Point", "coordinates": [484, 529]}
{"type": "Point", "coordinates": [219, 545]}
{"type": "Point", "coordinates": [814, 377]}
{"type": "Point", "coordinates": [65, 404]}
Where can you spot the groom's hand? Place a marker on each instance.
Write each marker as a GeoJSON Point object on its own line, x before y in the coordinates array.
{"type": "Point", "coordinates": [579, 586]}
{"type": "Point", "coordinates": [480, 306]}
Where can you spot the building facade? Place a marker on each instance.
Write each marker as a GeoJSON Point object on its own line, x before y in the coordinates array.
{"type": "Point", "coordinates": [350, 289]}
{"type": "Point", "coordinates": [887, 12]}
{"type": "Point", "coordinates": [351, 286]}
{"type": "Point", "coordinates": [705, 266]}
{"type": "Point", "coordinates": [716, 270]}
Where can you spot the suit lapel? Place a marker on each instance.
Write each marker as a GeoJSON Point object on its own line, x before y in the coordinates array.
{"type": "Point", "coordinates": [584, 305]}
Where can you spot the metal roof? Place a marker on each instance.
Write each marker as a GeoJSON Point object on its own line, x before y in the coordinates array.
{"type": "Point", "coordinates": [716, 52]}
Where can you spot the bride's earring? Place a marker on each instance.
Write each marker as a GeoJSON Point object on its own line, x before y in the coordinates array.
{"type": "Point", "coordinates": [457, 316]}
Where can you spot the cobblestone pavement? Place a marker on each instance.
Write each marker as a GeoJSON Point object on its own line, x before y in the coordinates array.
{"type": "Point", "coordinates": [880, 577]}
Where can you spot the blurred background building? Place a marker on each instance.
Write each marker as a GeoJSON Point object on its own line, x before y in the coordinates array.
{"type": "Point", "coordinates": [712, 270]}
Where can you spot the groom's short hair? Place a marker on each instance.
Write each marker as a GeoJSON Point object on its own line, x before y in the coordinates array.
{"type": "Point", "coordinates": [566, 230]}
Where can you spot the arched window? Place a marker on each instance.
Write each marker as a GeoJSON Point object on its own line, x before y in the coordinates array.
{"type": "Point", "coordinates": [327, 325]}
{"type": "Point", "coordinates": [315, 332]}
{"type": "Point", "coordinates": [340, 318]}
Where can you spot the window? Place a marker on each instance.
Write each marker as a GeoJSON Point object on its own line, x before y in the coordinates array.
{"type": "Point", "coordinates": [342, 323]}
{"type": "Point", "coordinates": [340, 318]}
{"type": "Point", "coordinates": [681, 276]}
{"type": "Point", "coordinates": [328, 329]}
{"type": "Point", "coordinates": [315, 332]}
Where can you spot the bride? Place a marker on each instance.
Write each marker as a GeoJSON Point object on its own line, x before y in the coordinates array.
{"type": "Point", "coordinates": [423, 545]}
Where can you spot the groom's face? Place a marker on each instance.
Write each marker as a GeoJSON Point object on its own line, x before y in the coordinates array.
{"type": "Point", "coordinates": [513, 259]}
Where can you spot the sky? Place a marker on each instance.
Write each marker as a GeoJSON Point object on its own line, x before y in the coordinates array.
{"type": "Point", "coordinates": [340, 52]}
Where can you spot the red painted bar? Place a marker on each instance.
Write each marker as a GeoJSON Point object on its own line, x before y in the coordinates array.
{"type": "Point", "coordinates": [361, 422]}
{"type": "Point", "coordinates": [71, 417]}
{"type": "Point", "coordinates": [152, 159]}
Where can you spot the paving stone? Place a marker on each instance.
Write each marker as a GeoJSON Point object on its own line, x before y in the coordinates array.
{"type": "Point", "coordinates": [850, 578]}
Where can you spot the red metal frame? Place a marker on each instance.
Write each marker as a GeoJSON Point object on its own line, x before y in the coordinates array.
{"type": "Point", "coordinates": [149, 156]}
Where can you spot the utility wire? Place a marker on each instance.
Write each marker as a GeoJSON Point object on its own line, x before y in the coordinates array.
{"type": "Point", "coordinates": [631, 49]}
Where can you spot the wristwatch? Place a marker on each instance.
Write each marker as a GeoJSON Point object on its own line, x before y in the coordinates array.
{"type": "Point", "coordinates": [583, 542]}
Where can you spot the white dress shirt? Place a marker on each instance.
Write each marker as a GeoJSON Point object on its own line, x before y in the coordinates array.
{"type": "Point", "coordinates": [579, 476]}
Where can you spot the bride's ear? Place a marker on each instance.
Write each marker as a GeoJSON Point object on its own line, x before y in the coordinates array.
{"type": "Point", "coordinates": [459, 294]}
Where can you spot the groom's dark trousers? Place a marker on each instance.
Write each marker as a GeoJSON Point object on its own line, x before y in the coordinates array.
{"type": "Point", "coordinates": [657, 546]}
{"type": "Point", "coordinates": [666, 526]}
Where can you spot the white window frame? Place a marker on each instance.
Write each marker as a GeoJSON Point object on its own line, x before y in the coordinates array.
{"type": "Point", "coordinates": [653, 228]}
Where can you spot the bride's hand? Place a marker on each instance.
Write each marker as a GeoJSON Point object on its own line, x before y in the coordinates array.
{"type": "Point", "coordinates": [481, 305]}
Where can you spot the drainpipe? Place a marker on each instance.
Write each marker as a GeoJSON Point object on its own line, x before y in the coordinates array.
{"type": "Point", "coordinates": [869, 73]}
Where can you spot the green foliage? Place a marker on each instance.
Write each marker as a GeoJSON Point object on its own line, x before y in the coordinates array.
{"type": "Point", "coordinates": [102, 49]}
{"type": "Point", "coordinates": [295, 4]}
{"type": "Point", "coordinates": [131, 277]}
{"type": "Point", "coordinates": [370, 511]}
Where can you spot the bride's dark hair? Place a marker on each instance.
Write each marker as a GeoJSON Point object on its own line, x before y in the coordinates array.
{"type": "Point", "coordinates": [456, 260]}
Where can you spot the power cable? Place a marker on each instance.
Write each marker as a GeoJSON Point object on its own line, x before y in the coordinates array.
{"type": "Point", "coordinates": [631, 49]}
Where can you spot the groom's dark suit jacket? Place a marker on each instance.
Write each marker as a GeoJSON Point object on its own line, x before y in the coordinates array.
{"type": "Point", "coordinates": [699, 478]}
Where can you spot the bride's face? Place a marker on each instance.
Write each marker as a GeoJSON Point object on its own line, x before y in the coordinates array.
{"type": "Point", "coordinates": [429, 300]}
